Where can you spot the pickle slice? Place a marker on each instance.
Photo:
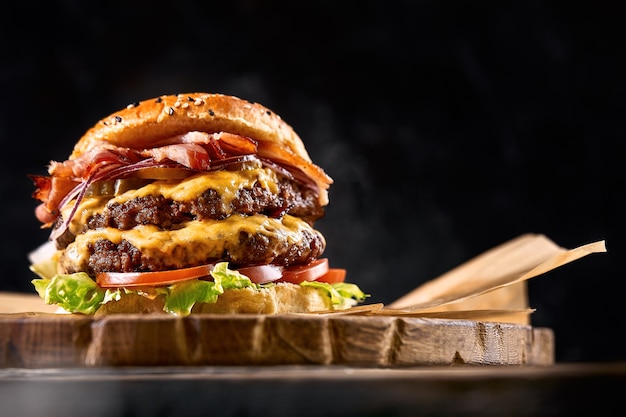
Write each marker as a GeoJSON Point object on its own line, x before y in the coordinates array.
{"type": "Point", "coordinates": [115, 187]}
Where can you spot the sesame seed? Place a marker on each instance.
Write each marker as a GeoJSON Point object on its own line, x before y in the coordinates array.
{"type": "Point", "coordinates": [159, 99]}
{"type": "Point", "coordinates": [198, 102]}
{"type": "Point", "coordinates": [185, 105]}
{"type": "Point", "coordinates": [170, 111]}
{"type": "Point", "coordinates": [177, 104]}
{"type": "Point", "coordinates": [269, 113]}
{"type": "Point", "coordinates": [118, 119]}
{"type": "Point", "coordinates": [211, 113]}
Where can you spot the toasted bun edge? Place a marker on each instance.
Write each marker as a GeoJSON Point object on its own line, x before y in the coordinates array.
{"type": "Point", "coordinates": [277, 299]}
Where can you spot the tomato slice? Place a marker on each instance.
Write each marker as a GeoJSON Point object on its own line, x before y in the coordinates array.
{"type": "Point", "coordinates": [333, 276]}
{"type": "Point", "coordinates": [136, 279]}
{"type": "Point", "coordinates": [262, 274]}
{"type": "Point", "coordinates": [308, 272]}
{"type": "Point", "coordinates": [317, 270]}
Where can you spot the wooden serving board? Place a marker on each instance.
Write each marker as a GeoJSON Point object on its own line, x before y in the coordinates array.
{"type": "Point", "coordinates": [46, 340]}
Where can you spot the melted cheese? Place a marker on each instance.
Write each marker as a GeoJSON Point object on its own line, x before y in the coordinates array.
{"type": "Point", "coordinates": [226, 183]}
{"type": "Point", "coordinates": [195, 243]}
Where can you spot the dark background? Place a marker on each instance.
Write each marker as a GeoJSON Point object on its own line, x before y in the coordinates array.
{"type": "Point", "coordinates": [449, 128]}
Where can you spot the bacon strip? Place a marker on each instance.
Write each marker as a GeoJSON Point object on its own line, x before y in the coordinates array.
{"type": "Point", "coordinates": [235, 144]}
{"type": "Point", "coordinates": [187, 154]}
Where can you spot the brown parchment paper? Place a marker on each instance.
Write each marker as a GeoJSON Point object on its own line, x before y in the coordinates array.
{"type": "Point", "coordinates": [491, 286]}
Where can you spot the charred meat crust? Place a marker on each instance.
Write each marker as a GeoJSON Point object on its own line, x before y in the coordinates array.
{"type": "Point", "coordinates": [107, 256]}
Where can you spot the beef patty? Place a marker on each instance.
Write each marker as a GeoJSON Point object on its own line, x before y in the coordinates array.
{"type": "Point", "coordinates": [291, 198]}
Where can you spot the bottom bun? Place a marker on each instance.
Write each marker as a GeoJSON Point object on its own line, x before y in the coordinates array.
{"type": "Point", "coordinates": [279, 298]}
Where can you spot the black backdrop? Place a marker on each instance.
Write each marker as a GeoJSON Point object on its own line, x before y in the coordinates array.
{"type": "Point", "coordinates": [449, 128]}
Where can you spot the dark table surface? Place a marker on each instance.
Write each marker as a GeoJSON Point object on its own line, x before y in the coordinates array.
{"type": "Point", "coordinates": [319, 390]}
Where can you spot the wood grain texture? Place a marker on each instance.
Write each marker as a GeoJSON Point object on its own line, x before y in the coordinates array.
{"type": "Point", "coordinates": [42, 340]}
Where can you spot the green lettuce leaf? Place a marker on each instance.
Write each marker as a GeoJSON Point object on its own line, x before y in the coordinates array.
{"type": "Point", "coordinates": [228, 278]}
{"type": "Point", "coordinates": [181, 297]}
{"type": "Point", "coordinates": [75, 293]}
{"type": "Point", "coordinates": [342, 295]}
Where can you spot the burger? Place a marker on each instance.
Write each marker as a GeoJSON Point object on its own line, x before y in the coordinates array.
{"type": "Point", "coordinates": [188, 203]}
